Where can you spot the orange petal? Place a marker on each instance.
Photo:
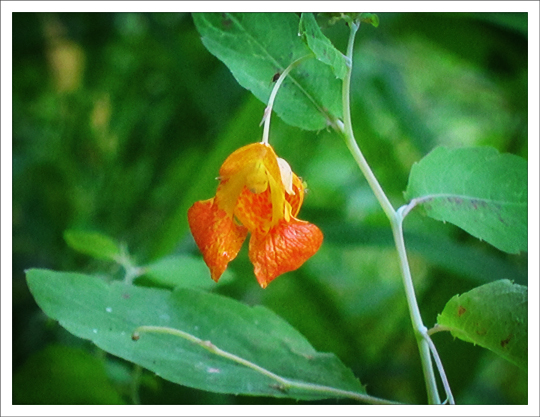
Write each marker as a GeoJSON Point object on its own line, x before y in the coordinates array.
{"type": "Point", "coordinates": [253, 168]}
{"type": "Point", "coordinates": [217, 236]}
{"type": "Point", "coordinates": [284, 248]}
{"type": "Point", "coordinates": [249, 154]}
{"type": "Point", "coordinates": [255, 210]}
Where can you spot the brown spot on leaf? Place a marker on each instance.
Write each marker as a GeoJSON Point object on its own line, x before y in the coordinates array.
{"type": "Point", "coordinates": [461, 310]}
{"type": "Point", "coordinates": [506, 341]}
{"type": "Point", "coordinates": [225, 21]}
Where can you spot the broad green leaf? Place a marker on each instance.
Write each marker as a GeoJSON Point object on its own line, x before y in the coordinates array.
{"type": "Point", "coordinates": [256, 46]}
{"type": "Point", "coordinates": [183, 271]}
{"type": "Point", "coordinates": [94, 244]}
{"type": "Point", "coordinates": [63, 375]}
{"type": "Point", "coordinates": [321, 45]}
{"type": "Point", "coordinates": [108, 314]}
{"type": "Point", "coordinates": [477, 189]}
{"type": "Point", "coordinates": [493, 316]}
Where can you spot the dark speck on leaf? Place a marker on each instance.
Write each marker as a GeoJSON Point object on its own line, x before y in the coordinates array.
{"type": "Point", "coordinates": [506, 341]}
{"type": "Point", "coordinates": [226, 22]}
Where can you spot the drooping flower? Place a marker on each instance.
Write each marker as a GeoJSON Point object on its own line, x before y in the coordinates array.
{"type": "Point", "coordinates": [257, 193]}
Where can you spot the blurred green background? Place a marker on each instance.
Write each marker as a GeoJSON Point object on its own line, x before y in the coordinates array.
{"type": "Point", "coordinates": [122, 120]}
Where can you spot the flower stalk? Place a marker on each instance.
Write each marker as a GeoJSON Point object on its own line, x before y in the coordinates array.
{"type": "Point", "coordinates": [268, 110]}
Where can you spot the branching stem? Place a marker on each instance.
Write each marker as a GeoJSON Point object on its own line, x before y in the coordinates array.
{"type": "Point", "coordinates": [131, 270]}
{"type": "Point", "coordinates": [425, 345]}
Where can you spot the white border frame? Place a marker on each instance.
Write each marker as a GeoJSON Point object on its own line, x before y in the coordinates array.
{"type": "Point", "coordinates": [8, 7]}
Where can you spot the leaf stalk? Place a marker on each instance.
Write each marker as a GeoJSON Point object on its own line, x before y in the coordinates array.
{"type": "Point", "coordinates": [283, 384]}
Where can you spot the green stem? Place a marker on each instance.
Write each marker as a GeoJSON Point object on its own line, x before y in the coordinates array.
{"type": "Point", "coordinates": [131, 271]}
{"type": "Point", "coordinates": [283, 384]}
{"type": "Point", "coordinates": [268, 109]}
{"type": "Point", "coordinates": [396, 221]}
{"type": "Point", "coordinates": [438, 362]}
{"type": "Point", "coordinates": [348, 133]}
{"type": "Point", "coordinates": [418, 325]}
{"type": "Point", "coordinates": [135, 383]}
{"type": "Point", "coordinates": [438, 328]}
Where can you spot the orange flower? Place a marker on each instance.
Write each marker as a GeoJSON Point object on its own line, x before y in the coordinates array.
{"type": "Point", "coordinates": [257, 193]}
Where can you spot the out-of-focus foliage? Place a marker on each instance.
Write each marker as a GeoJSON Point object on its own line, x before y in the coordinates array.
{"type": "Point", "coordinates": [121, 121]}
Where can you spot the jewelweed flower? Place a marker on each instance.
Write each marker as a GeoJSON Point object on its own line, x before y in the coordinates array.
{"type": "Point", "coordinates": [257, 193]}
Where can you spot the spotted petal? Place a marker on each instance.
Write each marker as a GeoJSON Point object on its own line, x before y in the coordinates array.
{"type": "Point", "coordinates": [218, 237]}
{"type": "Point", "coordinates": [284, 248]}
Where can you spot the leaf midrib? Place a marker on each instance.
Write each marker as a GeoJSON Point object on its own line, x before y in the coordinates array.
{"type": "Point", "coordinates": [326, 115]}
{"type": "Point", "coordinates": [428, 197]}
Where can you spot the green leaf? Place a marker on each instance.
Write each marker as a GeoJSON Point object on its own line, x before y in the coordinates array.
{"type": "Point", "coordinates": [94, 244]}
{"type": "Point", "coordinates": [370, 19]}
{"type": "Point", "coordinates": [256, 46]}
{"type": "Point", "coordinates": [353, 18]}
{"type": "Point", "coordinates": [477, 189]}
{"type": "Point", "coordinates": [108, 314]}
{"type": "Point", "coordinates": [183, 271]}
{"type": "Point", "coordinates": [493, 316]}
{"type": "Point", "coordinates": [63, 375]}
{"type": "Point", "coordinates": [321, 45]}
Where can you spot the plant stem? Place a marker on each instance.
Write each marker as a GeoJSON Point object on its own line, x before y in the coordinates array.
{"type": "Point", "coordinates": [131, 271]}
{"type": "Point", "coordinates": [135, 382]}
{"type": "Point", "coordinates": [268, 109]}
{"type": "Point", "coordinates": [438, 328]}
{"type": "Point", "coordinates": [283, 384]}
{"type": "Point", "coordinates": [396, 222]}
{"type": "Point", "coordinates": [418, 325]}
{"type": "Point", "coordinates": [348, 133]}
{"type": "Point", "coordinates": [446, 385]}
